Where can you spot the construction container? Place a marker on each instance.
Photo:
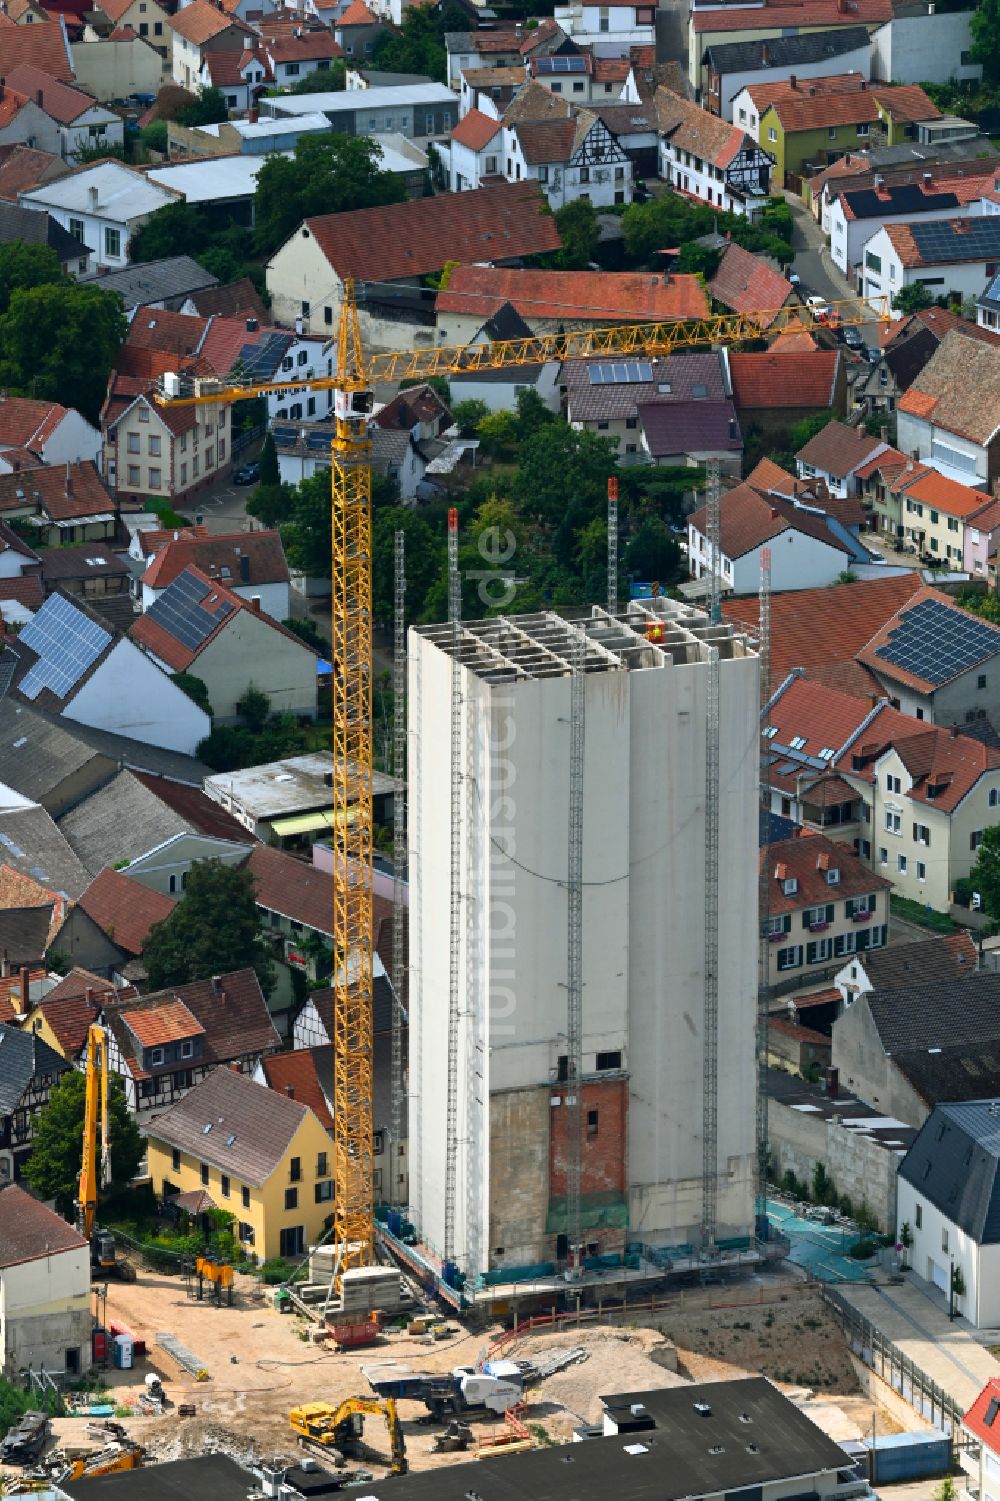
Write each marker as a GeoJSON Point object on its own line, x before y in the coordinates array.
{"type": "Point", "coordinates": [99, 1345]}
{"type": "Point", "coordinates": [124, 1352]}
{"type": "Point", "coordinates": [355, 1336]}
{"type": "Point", "coordinates": [910, 1456]}
{"type": "Point", "coordinates": [138, 1345]}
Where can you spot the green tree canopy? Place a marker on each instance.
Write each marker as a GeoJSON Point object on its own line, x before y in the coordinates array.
{"type": "Point", "coordinates": [985, 874]}
{"type": "Point", "coordinates": [653, 553]}
{"type": "Point", "coordinates": [23, 266]}
{"type": "Point", "coordinates": [328, 174]}
{"type": "Point", "coordinates": [58, 343]}
{"type": "Point", "coordinates": [561, 469]}
{"type": "Point", "coordinates": [912, 299]}
{"type": "Point", "coordinates": [177, 229]}
{"type": "Point", "coordinates": [214, 928]}
{"type": "Point", "coordinates": [195, 688]}
{"type": "Point", "coordinates": [308, 535]}
{"type": "Point", "coordinates": [269, 470]}
{"type": "Point", "coordinates": [425, 555]}
{"type": "Point", "coordinates": [208, 109]}
{"type": "Point", "coordinates": [418, 46]}
{"type": "Point", "coordinates": [53, 1169]}
{"type": "Point", "coordinates": [322, 80]}
{"type": "Point", "coordinates": [579, 232]}
{"type": "Point", "coordinates": [985, 23]}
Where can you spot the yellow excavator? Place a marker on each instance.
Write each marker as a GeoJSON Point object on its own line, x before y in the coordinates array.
{"type": "Point", "coordinates": [104, 1259]}
{"type": "Point", "coordinates": [341, 1428]}
{"type": "Point", "coordinates": [121, 1455]}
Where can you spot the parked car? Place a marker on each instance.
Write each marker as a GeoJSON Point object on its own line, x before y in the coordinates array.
{"type": "Point", "coordinates": [852, 338]}
{"type": "Point", "coordinates": [247, 474]}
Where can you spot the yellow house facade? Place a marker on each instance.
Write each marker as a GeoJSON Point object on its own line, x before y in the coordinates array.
{"type": "Point", "coordinates": [260, 1155]}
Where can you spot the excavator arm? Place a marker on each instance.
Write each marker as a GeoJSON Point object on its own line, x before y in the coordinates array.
{"type": "Point", "coordinates": [94, 1173]}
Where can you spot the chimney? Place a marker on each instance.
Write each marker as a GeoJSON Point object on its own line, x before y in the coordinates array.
{"type": "Point", "coordinates": [244, 569]}
{"type": "Point", "coordinates": [765, 55]}
{"type": "Point", "coordinates": [791, 81]}
{"type": "Point", "coordinates": [92, 195]}
{"type": "Point", "coordinates": [255, 603]}
{"type": "Point", "coordinates": [4, 966]}
{"type": "Point", "coordinates": [177, 536]}
{"type": "Point", "coordinates": [833, 1082]}
{"type": "Point", "coordinates": [199, 518]}
{"type": "Point", "coordinates": [251, 117]}
{"type": "Point", "coordinates": [251, 325]}
{"type": "Point", "coordinates": [883, 433]}
{"type": "Point", "coordinates": [290, 1092]}
{"type": "Point", "coordinates": [953, 731]}
{"type": "Point", "coordinates": [69, 479]}
{"type": "Point", "coordinates": [25, 988]}
{"type": "Point", "coordinates": [89, 995]}
{"type": "Point", "coordinates": [216, 984]}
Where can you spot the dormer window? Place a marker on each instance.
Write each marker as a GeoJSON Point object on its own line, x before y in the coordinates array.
{"type": "Point", "coordinates": [187, 1049]}
{"type": "Point", "coordinates": [790, 885]}
{"type": "Point", "coordinates": [833, 876]}
{"type": "Point", "coordinates": [156, 1057]}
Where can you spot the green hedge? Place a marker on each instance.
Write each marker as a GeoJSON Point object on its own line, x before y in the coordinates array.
{"type": "Point", "coordinates": [921, 916]}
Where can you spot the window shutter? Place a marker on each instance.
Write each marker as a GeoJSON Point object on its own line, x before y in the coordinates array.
{"type": "Point", "coordinates": [787, 927]}
{"type": "Point", "coordinates": [915, 834]}
{"type": "Point", "coordinates": [810, 953]}
{"type": "Point", "coordinates": [829, 912]}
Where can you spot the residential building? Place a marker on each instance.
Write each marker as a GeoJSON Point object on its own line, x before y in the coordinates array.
{"type": "Point", "coordinates": [292, 57]}
{"type": "Point", "coordinates": [981, 1459]}
{"type": "Point", "coordinates": [357, 31]}
{"type": "Point", "coordinates": [29, 1071]}
{"type": "Point", "coordinates": [197, 29]}
{"type": "Point", "coordinates": [503, 47]}
{"type": "Point", "coordinates": [124, 910]}
{"type": "Point", "coordinates": [571, 158]}
{"type": "Point", "coordinates": [103, 206]}
{"type": "Point", "coordinates": [251, 564]}
{"type": "Point", "coordinates": [272, 1163]}
{"type": "Point", "coordinates": [235, 299]}
{"type": "Point", "coordinates": [691, 433]}
{"type": "Point", "coordinates": [33, 846]}
{"type": "Point", "coordinates": [91, 571]}
{"type": "Point", "coordinates": [836, 453]}
{"type": "Point", "coordinates": [80, 121]}
{"type": "Point", "coordinates": [808, 723]}
{"type": "Point", "coordinates": [988, 306]}
{"type": "Point", "coordinates": [936, 512]}
{"type": "Point", "coordinates": [709, 159]}
{"type": "Point", "coordinates": [734, 66]}
{"type": "Point", "coordinates": [23, 167]}
{"type": "Point", "coordinates": [401, 243]}
{"type": "Point", "coordinates": [241, 76]}
{"type": "Point", "coordinates": [745, 283]}
{"type": "Point", "coordinates": [928, 794]}
{"type": "Point", "coordinates": [45, 1317]}
{"type": "Point", "coordinates": [68, 659]}
{"type": "Point", "coordinates": [942, 961]}
{"type": "Point", "coordinates": [606, 398]}
{"type": "Point", "coordinates": [710, 27]}
{"type": "Point", "coordinates": [152, 827]}
{"type": "Point", "coordinates": [163, 452]}
{"type": "Point", "coordinates": [957, 1149]}
{"type": "Point", "coordinates": [610, 30]}
{"type": "Point", "coordinates": [45, 762]}
{"type": "Point", "coordinates": [823, 903]}
{"type": "Point", "coordinates": [283, 799]}
{"type": "Point", "coordinates": [170, 283]}
{"type": "Point", "coordinates": [413, 109]}
{"type": "Point", "coordinates": [296, 902]}
{"type": "Point", "coordinates": [547, 300]}
{"type": "Point", "coordinates": [23, 121]}
{"type": "Point", "coordinates": [477, 151]}
{"type": "Point", "coordinates": [45, 47]}
{"type": "Point", "coordinates": [147, 19]}
{"type": "Point", "coordinates": [44, 431]}
{"type": "Point", "coordinates": [856, 214]}
{"type": "Point", "coordinates": [21, 224]}
{"type": "Point", "coordinates": [583, 77]}
{"type": "Point", "coordinates": [950, 415]}
{"type": "Point", "coordinates": [61, 503]}
{"type": "Point", "coordinates": [954, 256]}
{"type": "Point", "coordinates": [981, 534]}
{"type": "Point", "coordinates": [776, 389]}
{"type": "Point", "coordinates": [806, 125]}
{"type": "Point", "coordinates": [936, 661]}
{"type": "Point", "coordinates": [920, 45]}
{"type": "Point", "coordinates": [648, 1180]}
{"type": "Point", "coordinates": [118, 66]}
{"type": "Point", "coordinates": [166, 1043]}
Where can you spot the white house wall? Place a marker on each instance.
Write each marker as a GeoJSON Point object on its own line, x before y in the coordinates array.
{"type": "Point", "coordinates": [129, 695]}
{"type": "Point", "coordinates": [45, 1311]}
{"type": "Point", "coordinates": [857, 61]}
{"type": "Point", "coordinates": [163, 868]}
{"type": "Point", "coordinates": [980, 1265]}
{"type": "Point", "coordinates": [929, 48]}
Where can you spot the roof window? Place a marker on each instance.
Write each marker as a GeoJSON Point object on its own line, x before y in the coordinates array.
{"type": "Point", "coordinates": [797, 742]}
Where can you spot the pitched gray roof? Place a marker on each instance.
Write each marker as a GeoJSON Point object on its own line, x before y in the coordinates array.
{"type": "Point", "coordinates": [928, 961]}
{"type": "Point", "coordinates": [782, 52]}
{"type": "Point", "coordinates": [22, 1056]}
{"type": "Point", "coordinates": [38, 752]}
{"type": "Point", "coordinates": [31, 843]}
{"type": "Point", "coordinates": [936, 1015]}
{"type": "Point", "coordinates": [24, 933]}
{"type": "Point", "coordinates": [133, 753]}
{"type": "Point", "coordinates": [953, 1163]}
{"type": "Point", "coordinates": [675, 378]}
{"type": "Point", "coordinates": [682, 427]}
{"type": "Point", "coordinates": [121, 821]}
{"type": "Point", "coordinates": [32, 227]}
{"type": "Point", "coordinates": [250, 1131]}
{"type": "Point", "coordinates": [157, 280]}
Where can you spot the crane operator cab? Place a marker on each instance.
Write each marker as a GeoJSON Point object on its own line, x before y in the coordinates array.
{"type": "Point", "coordinates": [102, 1251]}
{"type": "Point", "coordinates": [353, 409]}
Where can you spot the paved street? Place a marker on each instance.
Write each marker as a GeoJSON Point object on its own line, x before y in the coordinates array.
{"type": "Point", "coordinates": [813, 264]}
{"type": "Point", "coordinates": [917, 1322]}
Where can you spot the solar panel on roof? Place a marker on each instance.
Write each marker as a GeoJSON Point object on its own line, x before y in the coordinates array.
{"type": "Point", "coordinates": [318, 440]}
{"type": "Point", "coordinates": [180, 611]}
{"type": "Point", "coordinates": [937, 643]}
{"type": "Point", "coordinates": [284, 434]}
{"type": "Point", "coordinates": [66, 642]}
{"type": "Point", "coordinates": [263, 358]}
{"type": "Point", "coordinates": [562, 65]}
{"type": "Point", "coordinates": [628, 372]}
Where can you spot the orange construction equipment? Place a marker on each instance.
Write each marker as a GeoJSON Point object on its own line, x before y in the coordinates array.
{"type": "Point", "coordinates": [218, 1275]}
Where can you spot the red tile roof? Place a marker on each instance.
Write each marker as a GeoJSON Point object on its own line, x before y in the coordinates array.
{"type": "Point", "coordinates": [41, 46]}
{"type": "Point", "coordinates": [475, 130]}
{"type": "Point", "coordinates": [221, 557]}
{"type": "Point", "coordinates": [178, 656]}
{"type": "Point", "coordinates": [812, 628]}
{"type": "Point", "coordinates": [59, 100]}
{"type": "Point", "coordinates": [294, 1074]}
{"type": "Point", "coordinates": [69, 1016]}
{"type": "Point", "coordinates": [947, 495]}
{"type": "Point", "coordinates": [840, 450]}
{"type": "Point", "coordinates": [311, 46]}
{"type": "Point", "coordinates": [234, 299]}
{"type": "Point", "coordinates": [577, 296]}
{"type": "Point", "coordinates": [124, 908]}
{"type": "Point", "coordinates": [200, 21]}
{"type": "Point", "coordinates": [232, 1012]}
{"type": "Point", "coordinates": [201, 812]}
{"type": "Point", "coordinates": [748, 520]}
{"type": "Point", "coordinates": [797, 15]}
{"type": "Point", "coordinates": [23, 168]}
{"type": "Point", "coordinates": [975, 1418]}
{"type": "Point", "coordinates": [12, 1004]}
{"type": "Point", "coordinates": [809, 858]}
{"type": "Point", "coordinates": [824, 719]}
{"type": "Point", "coordinates": [770, 380]}
{"type": "Point", "coordinates": [25, 423]}
{"type": "Point", "coordinates": [423, 234]}
{"type": "Point", "coordinates": [959, 387]}
{"type": "Point", "coordinates": [691, 128]}
{"type": "Point", "coordinates": [288, 886]}
{"type": "Point", "coordinates": [170, 1022]}
{"type": "Point", "coordinates": [161, 329]}
{"type": "Point", "coordinates": [11, 106]}
{"type": "Point", "coordinates": [28, 1230]}
{"type": "Point", "coordinates": [747, 285]}
{"type": "Point", "coordinates": [357, 14]}
{"type": "Point", "coordinates": [64, 491]}
{"type": "Point", "coordinates": [869, 653]}
{"type": "Point", "coordinates": [25, 590]}
{"type": "Point", "coordinates": [943, 766]}
{"type": "Point", "coordinates": [152, 541]}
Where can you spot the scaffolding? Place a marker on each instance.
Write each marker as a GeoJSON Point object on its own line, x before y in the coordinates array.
{"type": "Point", "coordinates": [574, 946]}
{"type": "Point", "coordinates": [455, 894]}
{"type": "Point", "coordinates": [398, 840]}
{"type": "Point", "coordinates": [613, 545]}
{"type": "Point", "coordinates": [764, 976]}
{"type": "Point", "coordinates": [710, 1023]}
{"type": "Point", "coordinates": [713, 527]}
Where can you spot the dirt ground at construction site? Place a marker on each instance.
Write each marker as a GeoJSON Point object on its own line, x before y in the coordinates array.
{"type": "Point", "coordinates": [261, 1363]}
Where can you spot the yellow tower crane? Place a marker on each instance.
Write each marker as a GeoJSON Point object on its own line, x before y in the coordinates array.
{"type": "Point", "coordinates": [353, 385]}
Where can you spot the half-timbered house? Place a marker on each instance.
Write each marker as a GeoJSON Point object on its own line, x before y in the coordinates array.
{"type": "Point", "coordinates": [710, 159]}
{"type": "Point", "coordinates": [29, 1070]}
{"type": "Point", "coordinates": [575, 157]}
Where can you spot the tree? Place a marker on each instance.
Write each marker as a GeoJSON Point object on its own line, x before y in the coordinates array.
{"type": "Point", "coordinates": [254, 708]}
{"type": "Point", "coordinates": [912, 299]}
{"type": "Point", "coordinates": [532, 413]}
{"type": "Point", "coordinates": [306, 630]}
{"type": "Point", "coordinates": [269, 471]}
{"type": "Point", "coordinates": [271, 504]}
{"type": "Point", "coordinates": [653, 552]}
{"type": "Point", "coordinates": [498, 433]}
{"type": "Point", "coordinates": [99, 151]}
{"type": "Point", "coordinates": [53, 1169]}
{"type": "Point", "coordinates": [418, 46]}
{"type": "Point", "coordinates": [23, 266]}
{"type": "Point", "coordinates": [215, 928]}
{"type": "Point", "coordinates": [308, 535]}
{"type": "Point", "coordinates": [194, 687]}
{"type": "Point", "coordinates": [699, 260]}
{"type": "Point", "coordinates": [323, 81]}
{"type": "Point", "coordinates": [468, 415]}
{"type": "Point", "coordinates": [154, 136]}
{"type": "Point", "coordinates": [177, 229]}
{"type": "Point", "coordinates": [58, 343]}
{"type": "Point", "coordinates": [946, 1490]}
{"type": "Point", "coordinates": [328, 174]}
{"type": "Point", "coordinates": [985, 23]}
{"type": "Point", "coordinates": [579, 232]}
{"type": "Point", "coordinates": [209, 108]}
{"type": "Point", "coordinates": [985, 874]}
{"type": "Point", "coordinates": [563, 471]}
{"type": "Point", "coordinates": [425, 554]}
